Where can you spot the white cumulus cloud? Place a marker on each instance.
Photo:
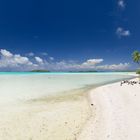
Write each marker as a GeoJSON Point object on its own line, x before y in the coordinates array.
{"type": "Point", "coordinates": [121, 66]}
{"type": "Point", "coordinates": [87, 65]}
{"type": "Point", "coordinates": [39, 60]}
{"type": "Point", "coordinates": [121, 4]}
{"type": "Point", "coordinates": [93, 61]}
{"type": "Point", "coordinates": [21, 60]}
{"type": "Point", "coordinates": [5, 53]}
{"type": "Point", "coordinates": [17, 62]}
{"type": "Point", "coordinates": [122, 32]}
{"type": "Point", "coordinates": [14, 61]}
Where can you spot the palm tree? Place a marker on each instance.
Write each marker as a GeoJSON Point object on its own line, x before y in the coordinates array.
{"type": "Point", "coordinates": [136, 57]}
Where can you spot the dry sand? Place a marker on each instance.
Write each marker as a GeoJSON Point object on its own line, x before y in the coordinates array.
{"type": "Point", "coordinates": [112, 112]}
{"type": "Point", "coordinates": [116, 111]}
{"type": "Point", "coordinates": [57, 118]}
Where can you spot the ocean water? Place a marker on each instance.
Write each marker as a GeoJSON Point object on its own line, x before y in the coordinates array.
{"type": "Point", "coordinates": [26, 85]}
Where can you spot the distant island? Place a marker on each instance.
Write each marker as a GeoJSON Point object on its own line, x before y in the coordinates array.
{"type": "Point", "coordinates": [88, 71]}
{"type": "Point", "coordinates": [84, 71]}
{"type": "Point", "coordinates": [39, 71]}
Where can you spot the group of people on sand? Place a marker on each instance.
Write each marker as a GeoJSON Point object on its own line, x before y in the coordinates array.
{"type": "Point", "coordinates": [129, 82]}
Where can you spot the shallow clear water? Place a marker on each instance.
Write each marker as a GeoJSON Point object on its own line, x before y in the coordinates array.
{"type": "Point", "coordinates": [18, 86]}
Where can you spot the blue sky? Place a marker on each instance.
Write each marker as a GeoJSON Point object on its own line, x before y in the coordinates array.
{"type": "Point", "coordinates": [68, 35]}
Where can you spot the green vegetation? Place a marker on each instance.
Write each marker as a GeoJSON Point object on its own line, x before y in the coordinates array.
{"type": "Point", "coordinates": [40, 71]}
{"type": "Point", "coordinates": [136, 57]}
{"type": "Point", "coordinates": [83, 71]}
{"type": "Point", "coordinates": [138, 72]}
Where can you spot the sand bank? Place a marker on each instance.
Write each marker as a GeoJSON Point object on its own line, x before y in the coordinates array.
{"type": "Point", "coordinates": [57, 118]}
{"type": "Point", "coordinates": [116, 111]}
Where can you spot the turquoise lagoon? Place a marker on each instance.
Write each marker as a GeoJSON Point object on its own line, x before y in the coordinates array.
{"type": "Point", "coordinates": [29, 85]}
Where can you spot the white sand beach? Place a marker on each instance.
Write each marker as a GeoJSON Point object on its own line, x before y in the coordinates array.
{"type": "Point", "coordinates": [59, 119]}
{"type": "Point", "coordinates": [65, 68]}
{"type": "Point", "coordinates": [116, 113]}
{"type": "Point", "coordinates": [28, 112]}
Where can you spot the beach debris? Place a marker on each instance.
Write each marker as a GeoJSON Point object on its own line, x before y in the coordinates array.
{"type": "Point", "coordinates": [108, 136]}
